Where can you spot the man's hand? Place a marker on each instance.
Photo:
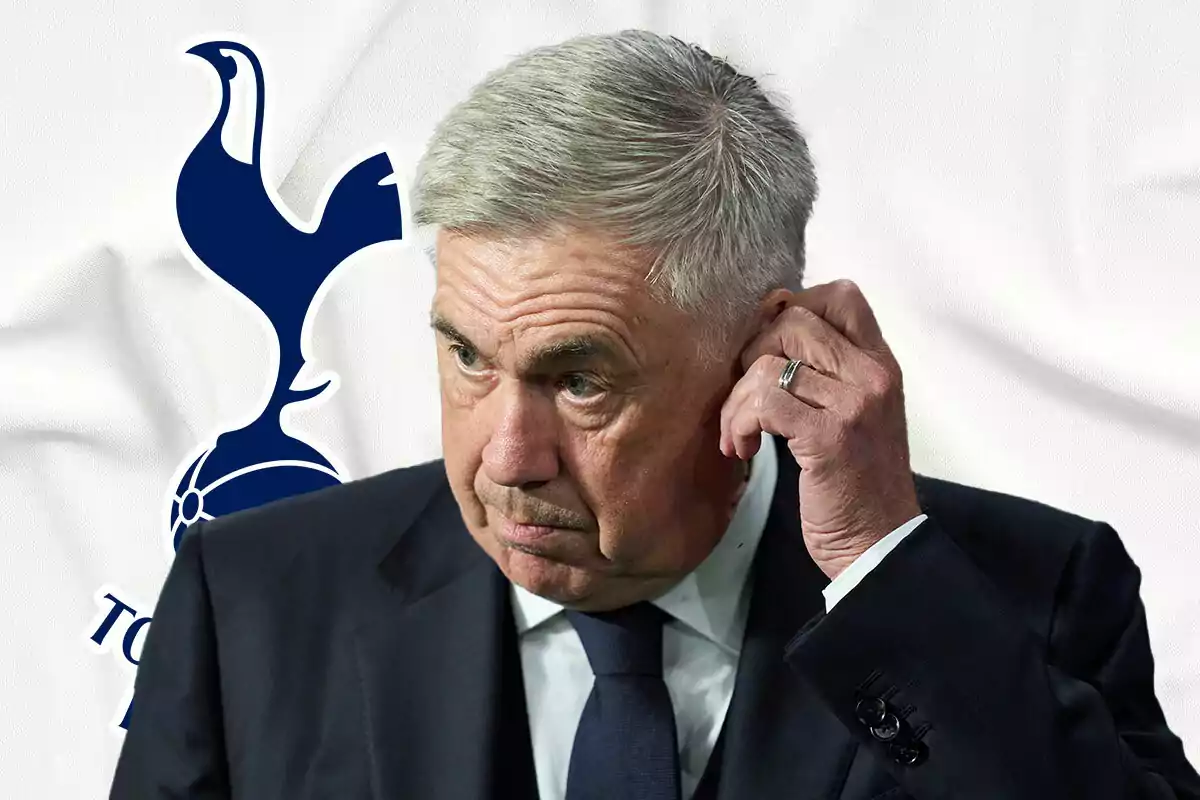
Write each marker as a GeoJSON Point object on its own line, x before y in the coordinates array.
{"type": "Point", "coordinates": [843, 419]}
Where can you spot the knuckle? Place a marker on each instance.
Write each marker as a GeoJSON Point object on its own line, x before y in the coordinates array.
{"type": "Point", "coordinates": [766, 366]}
{"type": "Point", "coordinates": [763, 372]}
{"type": "Point", "coordinates": [796, 314]}
{"type": "Point", "coordinates": [848, 289]}
{"type": "Point", "coordinates": [879, 379]}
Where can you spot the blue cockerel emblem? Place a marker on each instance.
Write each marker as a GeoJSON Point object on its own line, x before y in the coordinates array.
{"type": "Point", "coordinates": [233, 226]}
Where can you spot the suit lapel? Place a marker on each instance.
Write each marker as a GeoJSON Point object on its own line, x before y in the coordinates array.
{"type": "Point", "coordinates": [779, 739]}
{"type": "Point", "coordinates": [437, 654]}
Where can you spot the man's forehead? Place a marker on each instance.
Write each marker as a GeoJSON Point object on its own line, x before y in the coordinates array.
{"type": "Point", "coordinates": [494, 291]}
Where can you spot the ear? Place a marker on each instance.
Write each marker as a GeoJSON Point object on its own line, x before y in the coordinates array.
{"type": "Point", "coordinates": [772, 304]}
{"type": "Point", "coordinates": [769, 308]}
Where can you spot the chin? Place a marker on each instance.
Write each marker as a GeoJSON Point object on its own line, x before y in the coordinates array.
{"type": "Point", "coordinates": [550, 579]}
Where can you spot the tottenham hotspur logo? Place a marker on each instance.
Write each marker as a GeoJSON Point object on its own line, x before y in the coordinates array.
{"type": "Point", "coordinates": [242, 233]}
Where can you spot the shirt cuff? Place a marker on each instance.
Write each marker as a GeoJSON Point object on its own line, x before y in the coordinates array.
{"type": "Point", "coordinates": [848, 578]}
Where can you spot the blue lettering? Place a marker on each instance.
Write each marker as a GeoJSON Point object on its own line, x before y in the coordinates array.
{"type": "Point", "coordinates": [117, 609]}
{"type": "Point", "coordinates": [131, 635]}
{"type": "Point", "coordinates": [125, 719]}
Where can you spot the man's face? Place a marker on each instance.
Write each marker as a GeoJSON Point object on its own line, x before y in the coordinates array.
{"type": "Point", "coordinates": [579, 428]}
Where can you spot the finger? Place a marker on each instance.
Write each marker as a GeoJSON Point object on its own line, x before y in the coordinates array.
{"type": "Point", "coordinates": [776, 413]}
{"type": "Point", "coordinates": [842, 304]}
{"type": "Point", "coordinates": [736, 396]}
{"type": "Point", "coordinates": [761, 377]}
{"type": "Point", "coordinates": [806, 384]}
{"type": "Point", "coordinates": [799, 333]}
{"type": "Point", "coordinates": [761, 381]}
{"type": "Point", "coordinates": [745, 434]}
{"type": "Point", "coordinates": [737, 437]}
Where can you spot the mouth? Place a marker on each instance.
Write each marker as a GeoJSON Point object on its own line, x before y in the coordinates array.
{"type": "Point", "coordinates": [532, 538]}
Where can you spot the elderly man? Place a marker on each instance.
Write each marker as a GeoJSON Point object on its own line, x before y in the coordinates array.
{"type": "Point", "coordinates": [675, 548]}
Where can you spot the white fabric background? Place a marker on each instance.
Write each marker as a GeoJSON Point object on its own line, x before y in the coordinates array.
{"type": "Point", "coordinates": [1016, 187]}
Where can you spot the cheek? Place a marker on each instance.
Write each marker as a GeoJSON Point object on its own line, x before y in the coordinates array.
{"type": "Point", "coordinates": [627, 485]}
{"type": "Point", "coordinates": [644, 479]}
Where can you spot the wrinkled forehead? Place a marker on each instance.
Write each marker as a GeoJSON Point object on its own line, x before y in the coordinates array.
{"type": "Point", "coordinates": [575, 287]}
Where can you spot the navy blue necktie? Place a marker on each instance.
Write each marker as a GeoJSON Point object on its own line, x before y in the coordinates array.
{"type": "Point", "coordinates": [625, 747]}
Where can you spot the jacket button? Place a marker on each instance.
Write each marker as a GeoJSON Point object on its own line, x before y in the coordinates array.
{"type": "Point", "coordinates": [906, 754]}
{"type": "Point", "coordinates": [870, 711]}
{"type": "Point", "coordinates": [887, 728]}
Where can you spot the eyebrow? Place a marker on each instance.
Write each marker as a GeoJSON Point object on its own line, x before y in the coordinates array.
{"type": "Point", "coordinates": [582, 347]}
{"type": "Point", "coordinates": [446, 328]}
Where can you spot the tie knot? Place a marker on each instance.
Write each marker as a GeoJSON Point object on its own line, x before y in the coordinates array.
{"type": "Point", "coordinates": [627, 641]}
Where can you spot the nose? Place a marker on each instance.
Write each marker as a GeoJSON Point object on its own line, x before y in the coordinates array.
{"type": "Point", "coordinates": [523, 449]}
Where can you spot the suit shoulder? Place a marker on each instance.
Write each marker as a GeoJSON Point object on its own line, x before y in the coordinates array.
{"type": "Point", "coordinates": [1023, 545]}
{"type": "Point", "coordinates": [989, 513]}
{"type": "Point", "coordinates": [975, 499]}
{"type": "Point", "coordinates": [340, 524]}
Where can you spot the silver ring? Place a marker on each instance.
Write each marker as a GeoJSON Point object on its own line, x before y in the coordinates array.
{"type": "Point", "coordinates": [789, 371]}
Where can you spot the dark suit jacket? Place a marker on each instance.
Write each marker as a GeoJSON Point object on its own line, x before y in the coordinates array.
{"type": "Point", "coordinates": [356, 643]}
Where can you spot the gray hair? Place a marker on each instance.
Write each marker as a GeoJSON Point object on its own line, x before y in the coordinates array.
{"type": "Point", "coordinates": [646, 139]}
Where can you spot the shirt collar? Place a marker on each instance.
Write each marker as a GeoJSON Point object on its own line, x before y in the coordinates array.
{"type": "Point", "coordinates": [711, 599]}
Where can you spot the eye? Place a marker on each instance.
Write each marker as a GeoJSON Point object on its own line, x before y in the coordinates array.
{"type": "Point", "coordinates": [580, 386]}
{"type": "Point", "coordinates": [464, 355]}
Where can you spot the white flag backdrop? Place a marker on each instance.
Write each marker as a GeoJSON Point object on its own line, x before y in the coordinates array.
{"type": "Point", "coordinates": [1016, 187]}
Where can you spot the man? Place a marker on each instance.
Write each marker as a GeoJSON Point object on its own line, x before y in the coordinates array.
{"type": "Point", "coordinates": [675, 547]}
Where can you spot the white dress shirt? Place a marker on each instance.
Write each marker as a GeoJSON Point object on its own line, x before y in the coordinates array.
{"type": "Point", "coordinates": [701, 642]}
